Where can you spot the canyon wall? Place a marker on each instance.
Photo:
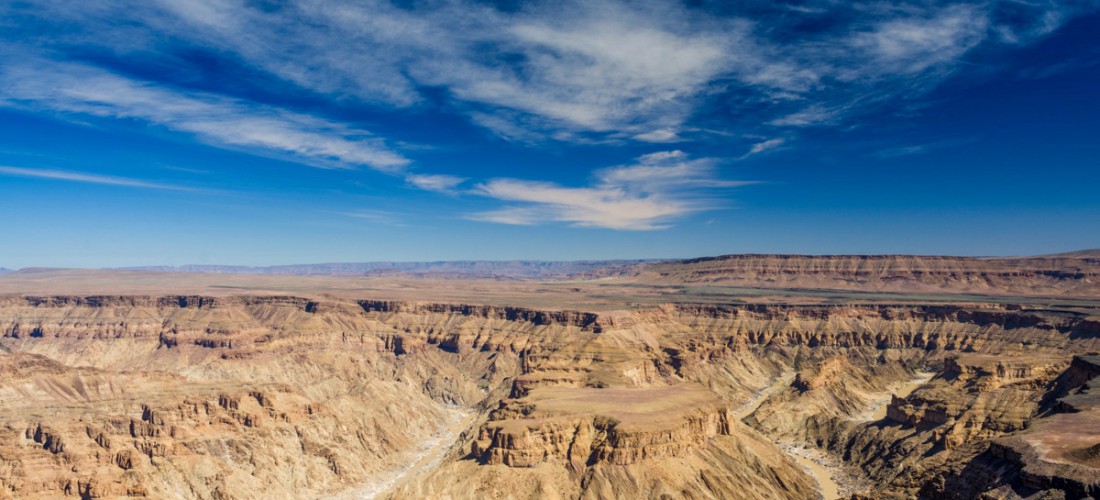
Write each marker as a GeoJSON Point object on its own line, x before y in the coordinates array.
{"type": "Point", "coordinates": [1028, 276]}
{"type": "Point", "coordinates": [283, 397]}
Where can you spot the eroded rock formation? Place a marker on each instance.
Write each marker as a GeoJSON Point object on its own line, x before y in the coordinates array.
{"type": "Point", "coordinates": [1053, 275]}
{"type": "Point", "coordinates": [284, 397]}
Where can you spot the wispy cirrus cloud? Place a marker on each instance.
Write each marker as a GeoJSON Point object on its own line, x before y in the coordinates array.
{"type": "Point", "coordinates": [71, 176]}
{"type": "Point", "coordinates": [596, 67]}
{"type": "Point", "coordinates": [305, 80]}
{"type": "Point", "coordinates": [914, 43]}
{"type": "Point", "coordinates": [600, 206]}
{"type": "Point", "coordinates": [435, 182]}
{"type": "Point", "coordinates": [916, 149]}
{"type": "Point", "coordinates": [564, 72]}
{"type": "Point", "coordinates": [383, 217]}
{"type": "Point", "coordinates": [663, 135]}
{"type": "Point", "coordinates": [763, 146]}
{"type": "Point", "coordinates": [80, 90]}
{"type": "Point", "coordinates": [646, 195]}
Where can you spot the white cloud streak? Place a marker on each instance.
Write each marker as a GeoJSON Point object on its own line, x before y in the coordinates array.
{"type": "Point", "coordinates": [82, 90]}
{"type": "Point", "coordinates": [374, 216]}
{"type": "Point", "coordinates": [64, 175]}
{"type": "Point", "coordinates": [435, 182]}
{"type": "Point", "coordinates": [645, 195]}
{"type": "Point", "coordinates": [580, 71]}
{"type": "Point", "coordinates": [763, 146]}
{"type": "Point", "coordinates": [664, 135]}
{"type": "Point", "coordinates": [568, 71]}
{"type": "Point", "coordinates": [913, 44]}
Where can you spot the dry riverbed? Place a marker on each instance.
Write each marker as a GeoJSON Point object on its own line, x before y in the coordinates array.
{"type": "Point", "coordinates": [426, 458]}
{"type": "Point", "coordinates": [833, 478]}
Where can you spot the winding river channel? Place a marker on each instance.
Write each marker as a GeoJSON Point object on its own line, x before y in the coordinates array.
{"type": "Point", "coordinates": [426, 458]}
{"type": "Point", "coordinates": [816, 462]}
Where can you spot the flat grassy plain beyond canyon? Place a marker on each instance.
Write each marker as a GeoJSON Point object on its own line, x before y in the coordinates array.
{"type": "Point", "coordinates": [746, 376]}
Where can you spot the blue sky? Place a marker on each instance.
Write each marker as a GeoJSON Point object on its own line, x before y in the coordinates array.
{"type": "Point", "coordinates": [271, 132]}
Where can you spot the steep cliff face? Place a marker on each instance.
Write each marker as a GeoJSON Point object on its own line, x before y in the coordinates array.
{"type": "Point", "coordinates": [1061, 450]}
{"type": "Point", "coordinates": [977, 428]}
{"type": "Point", "coordinates": [737, 465]}
{"type": "Point", "coordinates": [282, 397]}
{"type": "Point", "coordinates": [1055, 457]}
{"type": "Point", "coordinates": [94, 433]}
{"type": "Point", "coordinates": [978, 397]}
{"type": "Point", "coordinates": [1055, 275]}
{"type": "Point", "coordinates": [229, 397]}
{"type": "Point", "coordinates": [610, 425]}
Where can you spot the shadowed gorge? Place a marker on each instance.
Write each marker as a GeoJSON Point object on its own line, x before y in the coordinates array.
{"type": "Point", "coordinates": [286, 396]}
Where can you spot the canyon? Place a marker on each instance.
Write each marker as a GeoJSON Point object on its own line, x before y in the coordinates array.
{"type": "Point", "coordinates": [729, 377]}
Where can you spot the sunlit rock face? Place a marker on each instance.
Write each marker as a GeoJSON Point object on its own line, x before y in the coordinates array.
{"type": "Point", "coordinates": [280, 396]}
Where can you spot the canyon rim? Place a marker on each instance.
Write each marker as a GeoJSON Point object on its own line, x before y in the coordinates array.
{"type": "Point", "coordinates": [732, 377]}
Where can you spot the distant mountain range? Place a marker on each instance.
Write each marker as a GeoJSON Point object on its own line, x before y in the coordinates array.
{"type": "Point", "coordinates": [517, 269]}
{"type": "Point", "coordinates": [1093, 253]}
{"type": "Point", "coordinates": [830, 271]}
{"type": "Point", "coordinates": [1075, 273]}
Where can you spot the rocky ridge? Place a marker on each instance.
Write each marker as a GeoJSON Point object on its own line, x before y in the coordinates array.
{"type": "Point", "coordinates": [1064, 275]}
{"type": "Point", "coordinates": [506, 270]}
{"type": "Point", "coordinates": [285, 396]}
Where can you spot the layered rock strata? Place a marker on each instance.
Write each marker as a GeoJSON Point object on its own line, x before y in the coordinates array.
{"type": "Point", "coordinates": [281, 396]}
{"type": "Point", "coordinates": [1054, 275]}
